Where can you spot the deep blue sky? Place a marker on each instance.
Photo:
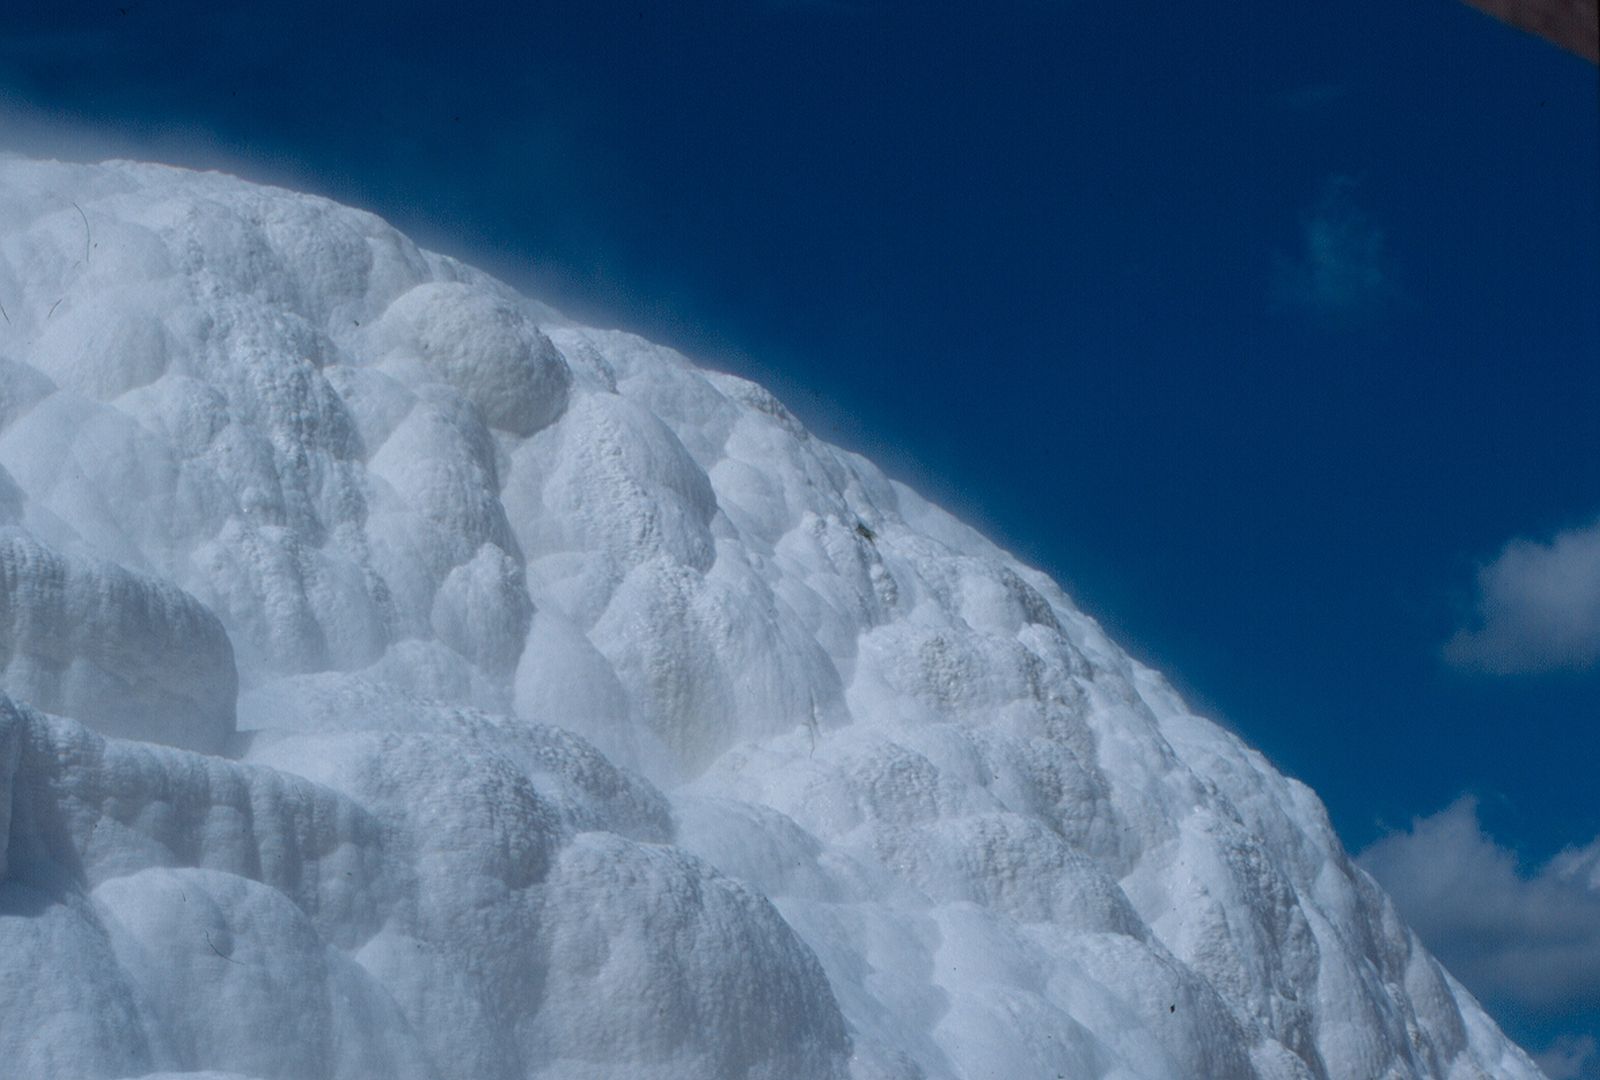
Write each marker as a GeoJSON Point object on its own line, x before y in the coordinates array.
{"type": "Point", "coordinates": [1261, 326]}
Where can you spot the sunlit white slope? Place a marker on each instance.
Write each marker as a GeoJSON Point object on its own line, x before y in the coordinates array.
{"type": "Point", "coordinates": [516, 699]}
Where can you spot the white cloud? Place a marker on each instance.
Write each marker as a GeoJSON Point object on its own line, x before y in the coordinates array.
{"type": "Point", "coordinates": [1538, 608]}
{"type": "Point", "coordinates": [1344, 270]}
{"type": "Point", "coordinates": [1532, 941]}
{"type": "Point", "coordinates": [1571, 1057]}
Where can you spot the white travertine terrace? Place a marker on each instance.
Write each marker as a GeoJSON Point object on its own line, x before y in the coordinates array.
{"type": "Point", "coordinates": [401, 681]}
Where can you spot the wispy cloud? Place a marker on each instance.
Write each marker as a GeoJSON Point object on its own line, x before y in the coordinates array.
{"type": "Point", "coordinates": [1528, 940]}
{"type": "Point", "coordinates": [1344, 271]}
{"type": "Point", "coordinates": [1537, 610]}
{"type": "Point", "coordinates": [1571, 1057]}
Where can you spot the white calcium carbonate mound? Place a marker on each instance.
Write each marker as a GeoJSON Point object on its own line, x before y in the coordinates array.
{"type": "Point", "coordinates": [537, 704]}
{"type": "Point", "coordinates": [89, 639]}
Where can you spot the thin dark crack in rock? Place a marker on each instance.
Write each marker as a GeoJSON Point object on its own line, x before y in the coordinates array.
{"type": "Point", "coordinates": [87, 235]}
{"type": "Point", "coordinates": [218, 951]}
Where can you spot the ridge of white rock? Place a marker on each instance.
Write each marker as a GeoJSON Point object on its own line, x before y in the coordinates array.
{"type": "Point", "coordinates": [537, 704]}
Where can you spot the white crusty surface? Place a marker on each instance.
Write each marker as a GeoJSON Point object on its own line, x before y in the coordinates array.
{"type": "Point", "coordinates": [401, 681]}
